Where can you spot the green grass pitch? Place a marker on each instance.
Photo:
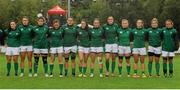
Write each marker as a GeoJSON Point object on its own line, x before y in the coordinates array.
{"type": "Point", "coordinates": [69, 82]}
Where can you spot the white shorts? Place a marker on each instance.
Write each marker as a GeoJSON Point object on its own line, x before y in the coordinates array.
{"type": "Point", "coordinates": [12, 51]}
{"type": "Point", "coordinates": [96, 49]}
{"type": "Point", "coordinates": [168, 54]}
{"type": "Point", "coordinates": [140, 51]}
{"type": "Point", "coordinates": [3, 49]}
{"type": "Point", "coordinates": [83, 49]}
{"type": "Point", "coordinates": [124, 50]}
{"type": "Point", "coordinates": [26, 48]}
{"type": "Point", "coordinates": [55, 50]}
{"type": "Point", "coordinates": [155, 50]}
{"type": "Point", "coordinates": [70, 49]}
{"type": "Point", "coordinates": [111, 48]}
{"type": "Point", "coordinates": [39, 51]}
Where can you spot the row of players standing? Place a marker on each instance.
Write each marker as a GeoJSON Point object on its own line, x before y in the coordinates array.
{"type": "Point", "coordinates": [65, 41]}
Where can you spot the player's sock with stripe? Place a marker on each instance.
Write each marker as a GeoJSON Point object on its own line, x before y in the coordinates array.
{"type": "Point", "coordinates": [165, 68]}
{"type": "Point", "coordinates": [61, 68]}
{"type": "Point", "coordinates": [66, 72]}
{"type": "Point", "coordinates": [113, 66]}
{"type": "Point", "coordinates": [51, 68]}
{"type": "Point", "coordinates": [22, 70]}
{"type": "Point", "coordinates": [92, 71]}
{"type": "Point", "coordinates": [120, 69]}
{"type": "Point", "coordinates": [8, 68]}
{"type": "Point", "coordinates": [45, 64]}
{"type": "Point", "coordinates": [135, 71]}
{"type": "Point", "coordinates": [80, 69]}
{"type": "Point", "coordinates": [150, 67]}
{"type": "Point", "coordinates": [128, 69]}
{"type": "Point", "coordinates": [16, 68]}
{"type": "Point", "coordinates": [73, 71]}
{"type": "Point", "coordinates": [170, 68]}
{"type": "Point", "coordinates": [84, 70]}
{"type": "Point", "coordinates": [30, 70]}
{"type": "Point", "coordinates": [36, 60]}
{"type": "Point", "coordinates": [107, 65]}
{"type": "Point", "coordinates": [157, 68]}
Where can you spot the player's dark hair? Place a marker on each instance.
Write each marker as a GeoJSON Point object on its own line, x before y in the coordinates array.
{"type": "Point", "coordinates": [86, 27]}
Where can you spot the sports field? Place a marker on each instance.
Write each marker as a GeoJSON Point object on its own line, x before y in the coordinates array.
{"type": "Point", "coordinates": [69, 82]}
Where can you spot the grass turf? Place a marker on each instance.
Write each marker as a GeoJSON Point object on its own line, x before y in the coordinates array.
{"type": "Point", "coordinates": [69, 82]}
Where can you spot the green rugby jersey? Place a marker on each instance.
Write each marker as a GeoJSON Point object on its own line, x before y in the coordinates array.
{"type": "Point", "coordinates": [169, 39]}
{"type": "Point", "coordinates": [96, 36]}
{"type": "Point", "coordinates": [12, 39]}
{"type": "Point", "coordinates": [56, 37]}
{"type": "Point", "coordinates": [26, 35]}
{"type": "Point", "coordinates": [154, 37]}
{"type": "Point", "coordinates": [83, 37]}
{"type": "Point", "coordinates": [40, 37]}
{"type": "Point", "coordinates": [139, 37]}
{"type": "Point", "coordinates": [110, 33]}
{"type": "Point", "coordinates": [124, 36]}
{"type": "Point", "coordinates": [70, 35]}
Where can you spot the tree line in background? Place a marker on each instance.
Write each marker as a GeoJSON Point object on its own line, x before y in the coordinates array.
{"type": "Point", "coordinates": [90, 9]}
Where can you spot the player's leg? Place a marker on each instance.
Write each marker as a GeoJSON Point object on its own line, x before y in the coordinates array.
{"type": "Point", "coordinates": [8, 60]}
{"type": "Point", "coordinates": [51, 66]}
{"type": "Point", "coordinates": [81, 56]}
{"type": "Point", "coordinates": [29, 56]}
{"type": "Point", "coordinates": [23, 56]}
{"type": "Point", "coordinates": [157, 65]}
{"type": "Point", "coordinates": [107, 55]}
{"type": "Point", "coordinates": [45, 62]}
{"type": "Point", "coordinates": [142, 59]}
{"type": "Point", "coordinates": [66, 56]}
{"type": "Point", "coordinates": [93, 57]}
{"type": "Point", "coordinates": [120, 64]}
{"type": "Point", "coordinates": [136, 59]}
{"type": "Point", "coordinates": [100, 63]}
{"type": "Point", "coordinates": [165, 57]}
{"type": "Point", "coordinates": [60, 61]}
{"type": "Point", "coordinates": [15, 59]}
{"type": "Point", "coordinates": [151, 56]}
{"type": "Point", "coordinates": [128, 65]}
{"type": "Point", "coordinates": [113, 55]}
{"type": "Point", "coordinates": [36, 61]}
{"type": "Point", "coordinates": [73, 59]}
{"type": "Point", "coordinates": [86, 56]}
{"type": "Point", "coordinates": [170, 60]}
{"type": "Point", "coordinates": [113, 65]}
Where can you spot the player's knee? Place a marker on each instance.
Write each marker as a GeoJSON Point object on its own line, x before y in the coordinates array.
{"type": "Point", "coordinates": [170, 58]}
{"type": "Point", "coordinates": [73, 56]}
{"type": "Point", "coordinates": [100, 61]}
{"type": "Point", "coordinates": [151, 54]}
{"type": "Point", "coordinates": [121, 57]}
{"type": "Point", "coordinates": [157, 55]}
{"type": "Point", "coordinates": [127, 57]}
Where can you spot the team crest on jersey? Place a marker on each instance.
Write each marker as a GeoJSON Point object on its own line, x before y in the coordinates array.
{"type": "Point", "coordinates": [22, 29]}
{"type": "Point", "coordinates": [16, 33]}
{"type": "Point", "coordinates": [107, 28]}
{"type": "Point", "coordinates": [29, 29]}
{"type": "Point", "coordinates": [92, 31]}
{"type": "Point", "coordinates": [150, 31]}
{"type": "Point", "coordinates": [135, 32]}
{"type": "Point", "coordinates": [53, 32]}
{"type": "Point", "coordinates": [37, 29]}
{"type": "Point", "coordinates": [66, 28]}
{"type": "Point", "coordinates": [80, 32]}
{"type": "Point", "coordinates": [120, 32]}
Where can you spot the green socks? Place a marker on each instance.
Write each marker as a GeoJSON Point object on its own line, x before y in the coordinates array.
{"type": "Point", "coordinates": [157, 68]}
{"type": "Point", "coordinates": [22, 70]}
{"type": "Point", "coordinates": [165, 68]}
{"type": "Point", "coordinates": [113, 66]}
{"type": "Point", "coordinates": [61, 68]}
{"type": "Point", "coordinates": [51, 68]}
{"type": "Point", "coordinates": [30, 70]}
{"type": "Point", "coordinates": [170, 68]}
{"type": "Point", "coordinates": [73, 71]}
{"type": "Point", "coordinates": [107, 65]}
{"type": "Point", "coordinates": [135, 71]}
{"type": "Point", "coordinates": [84, 70]}
{"type": "Point", "coordinates": [45, 68]}
{"type": "Point", "coordinates": [150, 67]}
{"type": "Point", "coordinates": [80, 69]}
{"type": "Point", "coordinates": [66, 72]}
{"type": "Point", "coordinates": [100, 70]}
{"type": "Point", "coordinates": [92, 71]}
{"type": "Point", "coordinates": [16, 68]}
{"type": "Point", "coordinates": [8, 67]}
{"type": "Point", "coordinates": [128, 69]}
{"type": "Point", "coordinates": [120, 69]}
